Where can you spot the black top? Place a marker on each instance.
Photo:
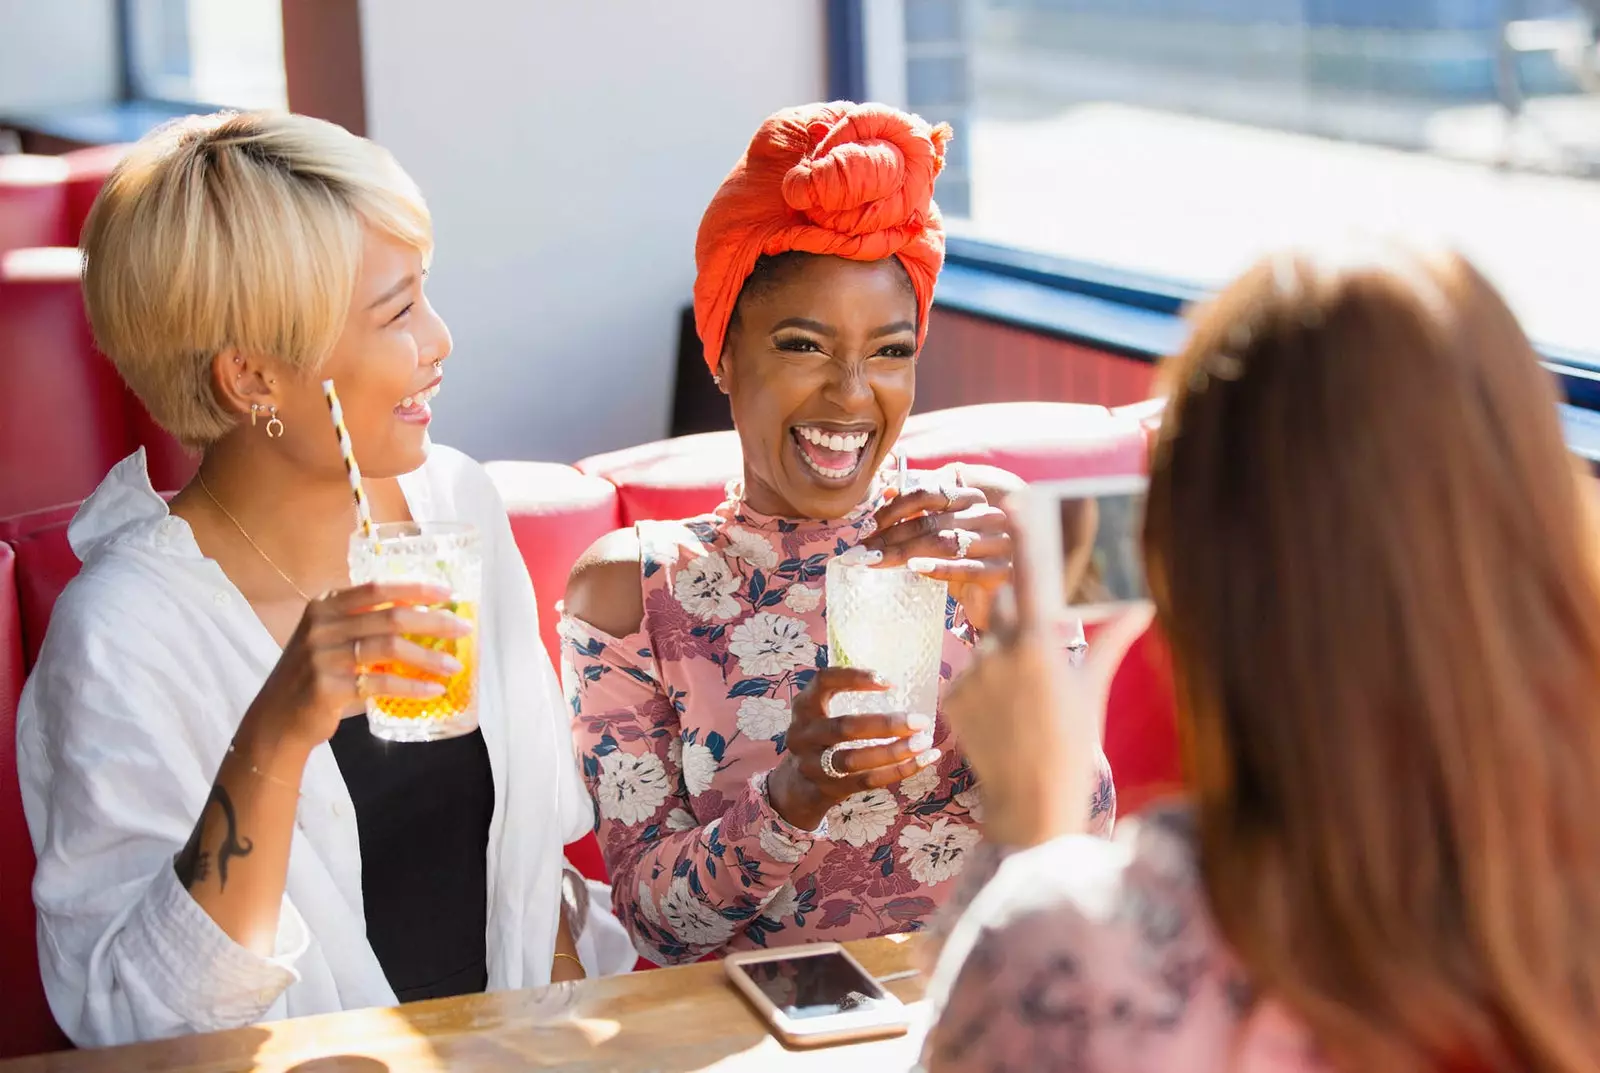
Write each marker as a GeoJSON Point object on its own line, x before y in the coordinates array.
{"type": "Point", "coordinates": [422, 812]}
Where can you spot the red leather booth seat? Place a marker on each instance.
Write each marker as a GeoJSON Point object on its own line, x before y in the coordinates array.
{"type": "Point", "coordinates": [677, 478]}
{"type": "Point", "coordinates": [556, 513]}
{"type": "Point", "coordinates": [62, 406]}
{"type": "Point", "coordinates": [45, 563]}
{"type": "Point", "coordinates": [87, 170]}
{"type": "Point", "coordinates": [33, 201]}
{"type": "Point", "coordinates": [1037, 441]}
{"type": "Point", "coordinates": [26, 1026]}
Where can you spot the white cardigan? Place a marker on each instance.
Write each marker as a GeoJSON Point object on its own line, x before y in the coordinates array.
{"type": "Point", "coordinates": [150, 661]}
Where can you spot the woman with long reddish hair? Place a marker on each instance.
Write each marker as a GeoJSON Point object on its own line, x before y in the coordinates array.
{"type": "Point", "coordinates": [1369, 551]}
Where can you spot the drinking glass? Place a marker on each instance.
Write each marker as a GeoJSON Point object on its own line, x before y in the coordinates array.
{"type": "Point", "coordinates": [889, 620]}
{"type": "Point", "coordinates": [446, 554]}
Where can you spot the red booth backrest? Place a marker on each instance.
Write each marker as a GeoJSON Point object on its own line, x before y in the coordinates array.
{"type": "Point", "coordinates": [86, 174]}
{"type": "Point", "coordinates": [1037, 441]}
{"type": "Point", "coordinates": [62, 407]}
{"type": "Point", "coordinates": [556, 513]}
{"type": "Point", "coordinates": [33, 202]}
{"type": "Point", "coordinates": [676, 478]}
{"type": "Point", "coordinates": [45, 563]}
{"type": "Point", "coordinates": [26, 1026]}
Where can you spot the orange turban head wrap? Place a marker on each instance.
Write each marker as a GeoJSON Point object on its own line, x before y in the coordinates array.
{"type": "Point", "coordinates": [841, 179]}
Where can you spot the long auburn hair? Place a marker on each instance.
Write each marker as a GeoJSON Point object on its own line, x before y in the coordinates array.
{"type": "Point", "coordinates": [1373, 558]}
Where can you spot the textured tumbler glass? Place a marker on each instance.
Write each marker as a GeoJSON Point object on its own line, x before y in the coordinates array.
{"type": "Point", "coordinates": [889, 621]}
{"type": "Point", "coordinates": [446, 554]}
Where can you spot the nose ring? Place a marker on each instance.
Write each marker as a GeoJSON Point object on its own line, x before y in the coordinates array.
{"type": "Point", "coordinates": [438, 365]}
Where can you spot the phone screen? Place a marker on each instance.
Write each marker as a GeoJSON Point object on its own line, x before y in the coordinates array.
{"type": "Point", "coordinates": [806, 987]}
{"type": "Point", "coordinates": [1089, 559]}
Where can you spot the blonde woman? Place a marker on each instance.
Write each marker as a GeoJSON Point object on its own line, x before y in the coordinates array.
{"type": "Point", "coordinates": [218, 842]}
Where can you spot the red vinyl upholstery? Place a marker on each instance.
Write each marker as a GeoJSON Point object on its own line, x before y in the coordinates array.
{"type": "Point", "coordinates": [1034, 440]}
{"type": "Point", "coordinates": [26, 1026]}
{"type": "Point", "coordinates": [33, 202]}
{"type": "Point", "coordinates": [556, 513]}
{"type": "Point", "coordinates": [45, 563]}
{"type": "Point", "coordinates": [62, 406]}
{"type": "Point", "coordinates": [1141, 735]}
{"type": "Point", "coordinates": [87, 170]}
{"type": "Point", "coordinates": [677, 478]}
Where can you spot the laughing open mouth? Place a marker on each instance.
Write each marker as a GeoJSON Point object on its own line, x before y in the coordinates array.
{"type": "Point", "coordinates": [832, 454]}
{"type": "Point", "coordinates": [415, 406]}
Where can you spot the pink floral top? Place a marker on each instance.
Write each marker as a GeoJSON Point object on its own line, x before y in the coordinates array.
{"type": "Point", "coordinates": [678, 725]}
{"type": "Point", "coordinates": [1090, 956]}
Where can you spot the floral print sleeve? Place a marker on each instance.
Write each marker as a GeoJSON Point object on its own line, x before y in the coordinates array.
{"type": "Point", "coordinates": [683, 888]}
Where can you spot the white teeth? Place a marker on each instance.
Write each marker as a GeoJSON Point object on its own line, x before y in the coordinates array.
{"type": "Point", "coordinates": [831, 474]}
{"type": "Point", "coordinates": [835, 442]}
{"type": "Point", "coordinates": [421, 398]}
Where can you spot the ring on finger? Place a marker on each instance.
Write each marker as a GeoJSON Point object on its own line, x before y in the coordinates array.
{"type": "Point", "coordinates": [828, 768]}
{"type": "Point", "coordinates": [964, 542]}
{"type": "Point", "coordinates": [362, 690]}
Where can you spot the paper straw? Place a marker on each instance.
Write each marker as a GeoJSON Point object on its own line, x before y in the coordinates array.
{"type": "Point", "coordinates": [362, 510]}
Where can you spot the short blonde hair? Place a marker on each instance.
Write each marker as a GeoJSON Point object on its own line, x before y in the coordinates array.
{"type": "Point", "coordinates": [236, 230]}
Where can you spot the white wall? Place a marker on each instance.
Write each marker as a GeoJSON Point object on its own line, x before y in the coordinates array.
{"type": "Point", "coordinates": [56, 53]}
{"type": "Point", "coordinates": [567, 149]}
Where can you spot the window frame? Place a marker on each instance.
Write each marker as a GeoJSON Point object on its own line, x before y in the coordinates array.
{"type": "Point", "coordinates": [1122, 312]}
{"type": "Point", "coordinates": [131, 92]}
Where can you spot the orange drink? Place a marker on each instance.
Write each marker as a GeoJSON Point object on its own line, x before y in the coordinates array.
{"type": "Point", "coordinates": [446, 554]}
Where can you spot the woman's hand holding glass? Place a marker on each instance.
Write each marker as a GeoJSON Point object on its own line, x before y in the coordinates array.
{"type": "Point", "coordinates": [818, 771]}
{"type": "Point", "coordinates": [954, 535]}
{"type": "Point", "coordinates": [1030, 721]}
{"type": "Point", "coordinates": [321, 678]}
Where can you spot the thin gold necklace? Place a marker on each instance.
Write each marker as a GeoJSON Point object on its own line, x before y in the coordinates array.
{"type": "Point", "coordinates": [267, 558]}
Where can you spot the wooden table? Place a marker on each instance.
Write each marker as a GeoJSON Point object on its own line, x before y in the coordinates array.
{"type": "Point", "coordinates": [668, 1020]}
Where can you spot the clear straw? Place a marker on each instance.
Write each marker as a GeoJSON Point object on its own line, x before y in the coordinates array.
{"type": "Point", "coordinates": [900, 473]}
{"type": "Point", "coordinates": [363, 512]}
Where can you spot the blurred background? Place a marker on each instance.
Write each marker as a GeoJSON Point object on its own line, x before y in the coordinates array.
{"type": "Point", "coordinates": [1115, 158]}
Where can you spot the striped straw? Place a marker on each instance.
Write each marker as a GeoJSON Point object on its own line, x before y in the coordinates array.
{"type": "Point", "coordinates": [362, 510]}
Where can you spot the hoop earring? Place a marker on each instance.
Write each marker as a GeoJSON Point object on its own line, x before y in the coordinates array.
{"type": "Point", "coordinates": [255, 411]}
{"type": "Point", "coordinates": [274, 426]}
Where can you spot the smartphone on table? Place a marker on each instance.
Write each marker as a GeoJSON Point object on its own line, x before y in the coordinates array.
{"type": "Point", "coordinates": [815, 995]}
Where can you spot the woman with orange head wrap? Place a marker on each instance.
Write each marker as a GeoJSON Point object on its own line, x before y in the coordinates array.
{"type": "Point", "coordinates": [695, 651]}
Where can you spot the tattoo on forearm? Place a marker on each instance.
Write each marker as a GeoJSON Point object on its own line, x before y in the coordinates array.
{"type": "Point", "coordinates": [187, 862]}
{"type": "Point", "coordinates": [193, 864]}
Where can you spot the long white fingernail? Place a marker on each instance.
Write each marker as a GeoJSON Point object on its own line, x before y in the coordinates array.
{"type": "Point", "coordinates": [929, 758]}
{"type": "Point", "coordinates": [918, 721]}
{"type": "Point", "coordinates": [921, 565]}
{"type": "Point", "coordinates": [921, 741]}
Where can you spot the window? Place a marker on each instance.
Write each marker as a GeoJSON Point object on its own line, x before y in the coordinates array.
{"type": "Point", "coordinates": [1180, 139]}
{"type": "Point", "coordinates": [222, 53]}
